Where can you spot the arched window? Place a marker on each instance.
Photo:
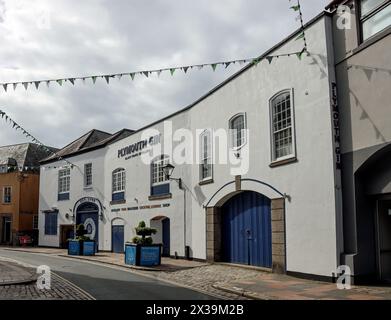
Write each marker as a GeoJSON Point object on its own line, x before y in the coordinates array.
{"type": "Point", "coordinates": [159, 182]}
{"type": "Point", "coordinates": [282, 126]}
{"type": "Point", "coordinates": [118, 184]}
{"type": "Point", "coordinates": [238, 132]}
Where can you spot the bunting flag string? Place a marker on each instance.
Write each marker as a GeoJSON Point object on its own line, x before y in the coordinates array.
{"type": "Point", "coordinates": [297, 8]}
{"type": "Point", "coordinates": [171, 70]}
{"type": "Point", "coordinates": [17, 127]}
{"type": "Point", "coordinates": [146, 73]}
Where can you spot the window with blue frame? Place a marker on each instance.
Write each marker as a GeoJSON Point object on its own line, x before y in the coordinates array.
{"type": "Point", "coordinates": [160, 184]}
{"type": "Point", "coordinates": [118, 184]}
{"type": "Point", "coordinates": [51, 223]}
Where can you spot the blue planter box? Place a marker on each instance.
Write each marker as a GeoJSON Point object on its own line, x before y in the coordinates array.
{"type": "Point", "coordinates": [143, 255]}
{"type": "Point", "coordinates": [81, 248]}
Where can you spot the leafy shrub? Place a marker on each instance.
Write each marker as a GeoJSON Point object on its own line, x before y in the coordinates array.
{"type": "Point", "coordinates": [145, 233]}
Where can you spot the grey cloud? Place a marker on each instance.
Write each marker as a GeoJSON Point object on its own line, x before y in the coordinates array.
{"type": "Point", "coordinates": [115, 36]}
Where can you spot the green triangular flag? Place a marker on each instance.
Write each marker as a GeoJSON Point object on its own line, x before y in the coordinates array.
{"type": "Point", "coordinates": [300, 36]}
{"type": "Point", "coordinates": [5, 86]}
{"type": "Point", "coordinates": [368, 72]}
{"type": "Point", "coordinates": [146, 73]}
{"type": "Point", "coordinates": [59, 81]}
{"type": "Point", "coordinates": [172, 70]}
{"type": "Point", "coordinates": [71, 80]}
{"type": "Point", "coordinates": [132, 75]}
{"type": "Point", "coordinates": [269, 59]}
{"type": "Point", "coordinates": [256, 61]}
{"type": "Point", "coordinates": [214, 66]}
{"type": "Point", "coordinates": [15, 85]}
{"type": "Point", "coordinates": [299, 54]}
{"type": "Point", "coordinates": [93, 79]}
{"type": "Point", "coordinates": [25, 84]}
{"type": "Point", "coordinates": [37, 83]}
{"type": "Point", "coordinates": [296, 8]}
{"type": "Point", "coordinates": [227, 64]}
{"type": "Point", "coordinates": [185, 69]}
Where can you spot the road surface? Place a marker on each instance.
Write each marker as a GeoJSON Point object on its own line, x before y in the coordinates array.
{"type": "Point", "coordinates": [106, 282]}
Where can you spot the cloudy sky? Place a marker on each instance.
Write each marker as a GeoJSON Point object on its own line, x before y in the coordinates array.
{"type": "Point", "coordinates": [68, 38]}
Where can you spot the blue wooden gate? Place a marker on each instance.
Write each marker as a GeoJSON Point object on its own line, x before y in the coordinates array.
{"type": "Point", "coordinates": [246, 230]}
{"type": "Point", "coordinates": [166, 237]}
{"type": "Point", "coordinates": [117, 239]}
{"type": "Point", "coordinates": [88, 214]}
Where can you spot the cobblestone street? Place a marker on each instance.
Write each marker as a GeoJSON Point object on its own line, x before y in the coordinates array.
{"type": "Point", "coordinates": [203, 278]}
{"type": "Point", "coordinates": [60, 290]}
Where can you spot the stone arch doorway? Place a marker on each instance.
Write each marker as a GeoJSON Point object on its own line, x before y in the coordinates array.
{"type": "Point", "coordinates": [373, 214]}
{"type": "Point", "coordinates": [214, 227]}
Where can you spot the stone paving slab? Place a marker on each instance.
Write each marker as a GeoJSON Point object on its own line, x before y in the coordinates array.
{"type": "Point", "coordinates": [14, 273]}
{"type": "Point", "coordinates": [282, 287]}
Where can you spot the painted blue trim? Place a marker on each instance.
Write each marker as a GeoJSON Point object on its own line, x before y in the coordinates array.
{"type": "Point", "coordinates": [246, 179]}
{"type": "Point", "coordinates": [118, 196]}
{"type": "Point", "coordinates": [63, 196]}
{"type": "Point", "coordinates": [51, 219]}
{"type": "Point", "coordinates": [160, 189]}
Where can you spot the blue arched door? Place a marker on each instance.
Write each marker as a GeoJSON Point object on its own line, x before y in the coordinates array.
{"type": "Point", "coordinates": [246, 230]}
{"type": "Point", "coordinates": [88, 214]}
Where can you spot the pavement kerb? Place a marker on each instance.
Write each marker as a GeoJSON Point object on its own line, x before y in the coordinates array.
{"type": "Point", "coordinates": [243, 293]}
{"type": "Point", "coordinates": [33, 278]}
{"type": "Point", "coordinates": [115, 264]}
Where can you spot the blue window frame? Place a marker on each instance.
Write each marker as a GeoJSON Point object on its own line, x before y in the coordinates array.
{"type": "Point", "coordinates": [51, 223]}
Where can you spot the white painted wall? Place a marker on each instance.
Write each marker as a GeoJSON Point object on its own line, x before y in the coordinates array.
{"type": "Point", "coordinates": [311, 212]}
{"type": "Point", "coordinates": [49, 191]}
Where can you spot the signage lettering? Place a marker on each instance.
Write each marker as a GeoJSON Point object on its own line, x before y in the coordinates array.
{"type": "Point", "coordinates": [336, 128]}
{"type": "Point", "coordinates": [136, 149]}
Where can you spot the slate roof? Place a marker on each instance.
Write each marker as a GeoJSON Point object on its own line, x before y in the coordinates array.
{"type": "Point", "coordinates": [23, 155]}
{"type": "Point", "coordinates": [92, 140]}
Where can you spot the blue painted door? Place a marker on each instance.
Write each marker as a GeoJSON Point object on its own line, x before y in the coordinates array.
{"type": "Point", "coordinates": [117, 238]}
{"type": "Point", "coordinates": [166, 237]}
{"type": "Point", "coordinates": [88, 214]}
{"type": "Point", "coordinates": [246, 230]}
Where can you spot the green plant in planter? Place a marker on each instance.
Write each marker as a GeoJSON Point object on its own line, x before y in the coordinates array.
{"type": "Point", "coordinates": [81, 233]}
{"type": "Point", "coordinates": [144, 234]}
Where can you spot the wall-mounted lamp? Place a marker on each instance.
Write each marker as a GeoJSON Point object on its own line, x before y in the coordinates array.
{"type": "Point", "coordinates": [168, 170]}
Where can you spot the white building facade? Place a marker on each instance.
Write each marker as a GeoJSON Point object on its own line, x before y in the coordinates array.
{"type": "Point", "coordinates": [274, 202]}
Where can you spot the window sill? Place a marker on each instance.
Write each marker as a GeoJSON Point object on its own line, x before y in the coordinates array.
{"type": "Point", "coordinates": [114, 202]}
{"type": "Point", "coordinates": [206, 181]}
{"type": "Point", "coordinates": [278, 163]}
{"type": "Point", "coordinates": [160, 197]}
{"type": "Point", "coordinates": [88, 188]}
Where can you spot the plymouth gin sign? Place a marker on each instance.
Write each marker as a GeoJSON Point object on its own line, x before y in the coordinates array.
{"type": "Point", "coordinates": [136, 149]}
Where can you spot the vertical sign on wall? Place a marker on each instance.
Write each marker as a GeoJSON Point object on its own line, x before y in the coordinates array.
{"type": "Point", "coordinates": [336, 130]}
